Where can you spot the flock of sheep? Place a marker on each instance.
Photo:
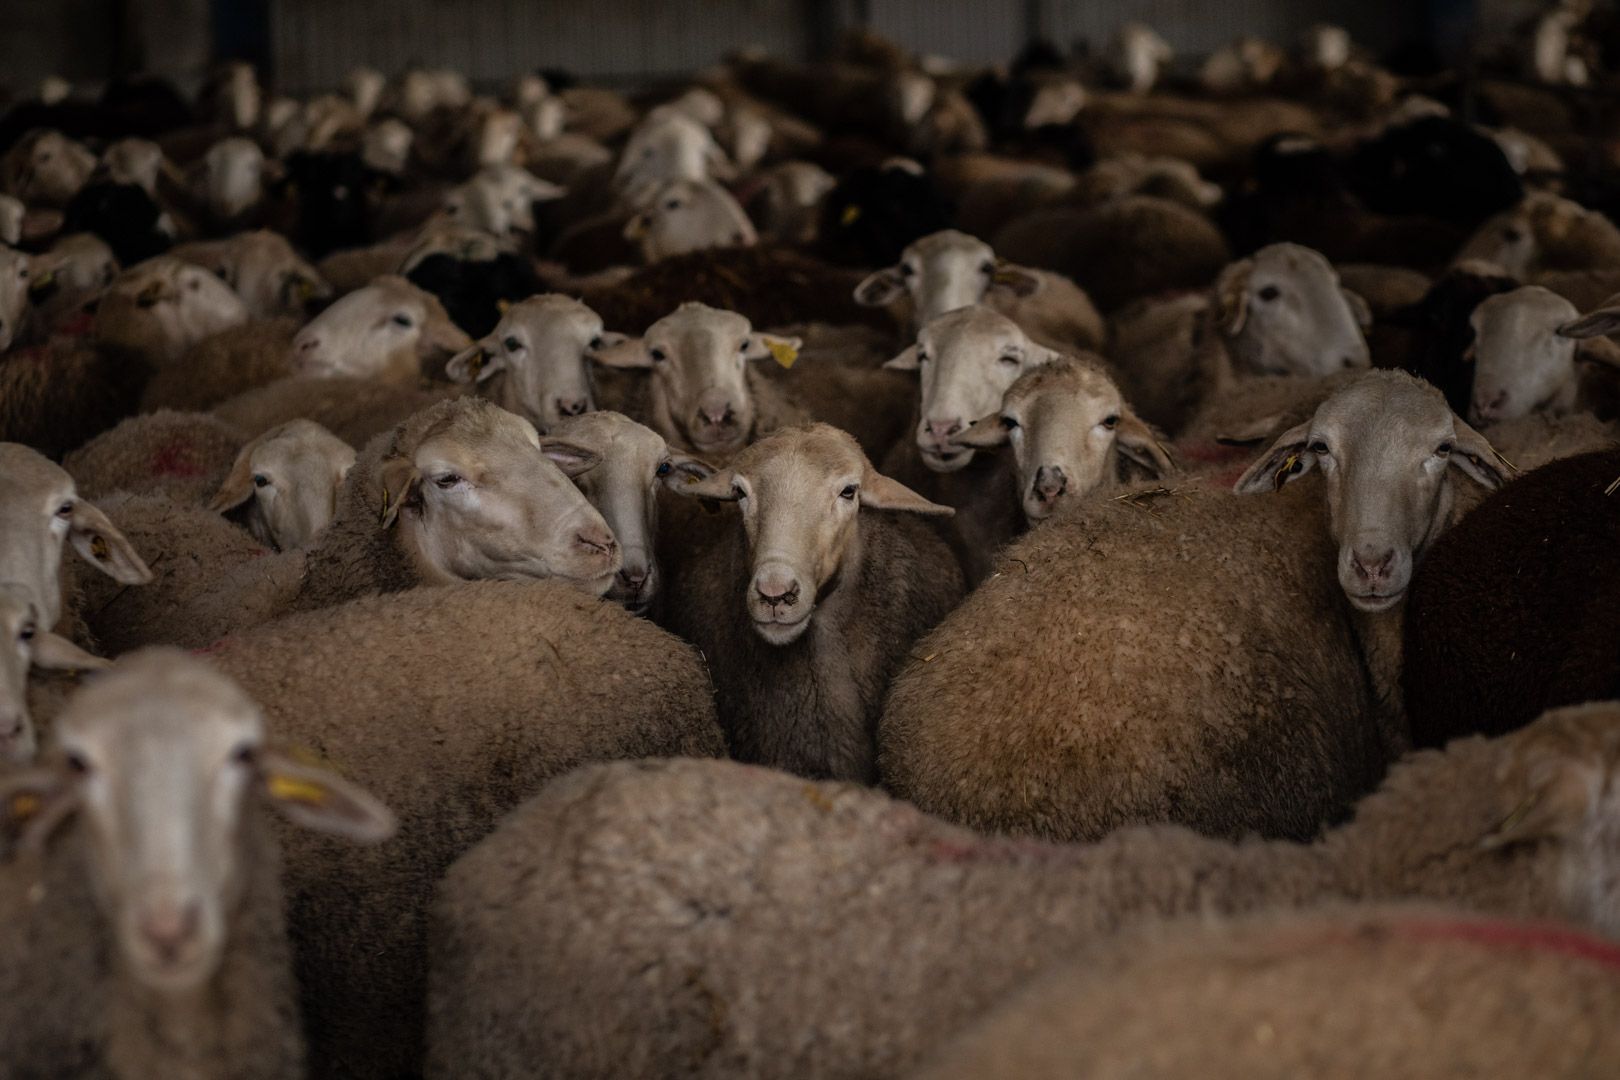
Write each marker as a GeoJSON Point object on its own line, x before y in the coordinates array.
{"type": "Point", "coordinates": [865, 569]}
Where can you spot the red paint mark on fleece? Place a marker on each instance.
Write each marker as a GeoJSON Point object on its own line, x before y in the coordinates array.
{"type": "Point", "coordinates": [209, 650]}
{"type": "Point", "coordinates": [175, 459]}
{"type": "Point", "coordinates": [78, 326]}
{"type": "Point", "coordinates": [1529, 937]}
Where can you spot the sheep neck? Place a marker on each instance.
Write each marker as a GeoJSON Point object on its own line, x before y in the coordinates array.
{"type": "Point", "coordinates": [1380, 634]}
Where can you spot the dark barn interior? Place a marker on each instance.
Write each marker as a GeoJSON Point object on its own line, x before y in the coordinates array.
{"type": "Point", "coordinates": [809, 539]}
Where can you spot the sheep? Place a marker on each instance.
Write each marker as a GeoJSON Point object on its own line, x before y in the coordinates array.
{"type": "Point", "coordinates": [285, 482]}
{"type": "Point", "coordinates": [1512, 611]}
{"type": "Point", "coordinates": [46, 168]}
{"type": "Point", "coordinates": [1281, 311]}
{"type": "Point", "coordinates": [132, 223]}
{"type": "Point", "coordinates": [70, 275]}
{"type": "Point", "coordinates": [1302, 719]}
{"type": "Point", "coordinates": [1284, 995]}
{"type": "Point", "coordinates": [183, 456]}
{"type": "Point", "coordinates": [16, 275]}
{"type": "Point", "coordinates": [266, 273]}
{"type": "Point", "coordinates": [689, 215]}
{"type": "Point", "coordinates": [355, 410]}
{"type": "Point", "coordinates": [159, 310]}
{"type": "Point", "coordinates": [806, 606]}
{"type": "Point", "coordinates": [701, 394]}
{"type": "Point", "coordinates": [1545, 233]}
{"type": "Point", "coordinates": [390, 331]}
{"type": "Point", "coordinates": [1136, 55]}
{"type": "Point", "coordinates": [459, 491]}
{"type": "Point", "coordinates": [228, 183]}
{"type": "Point", "coordinates": [25, 645]}
{"type": "Point", "coordinates": [619, 923]}
{"type": "Point", "coordinates": [41, 511]}
{"type": "Point", "coordinates": [499, 199]}
{"type": "Point", "coordinates": [634, 465]}
{"type": "Point", "coordinates": [667, 145]}
{"type": "Point", "coordinates": [1433, 338]}
{"type": "Point", "coordinates": [1071, 433]}
{"type": "Point", "coordinates": [1525, 353]}
{"type": "Point", "coordinates": [788, 201]}
{"type": "Point", "coordinates": [474, 291]}
{"type": "Point", "coordinates": [1133, 247]}
{"type": "Point", "coordinates": [948, 270]}
{"type": "Point", "coordinates": [453, 705]}
{"type": "Point", "coordinates": [536, 361]}
{"type": "Point", "coordinates": [150, 939]}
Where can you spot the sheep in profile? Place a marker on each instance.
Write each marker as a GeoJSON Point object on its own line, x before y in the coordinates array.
{"type": "Point", "coordinates": [1281, 995]}
{"type": "Point", "coordinates": [269, 276]}
{"type": "Point", "coordinates": [687, 216]}
{"type": "Point", "coordinates": [146, 937]}
{"type": "Point", "coordinates": [536, 362]}
{"type": "Point", "coordinates": [1133, 702]}
{"type": "Point", "coordinates": [807, 598]}
{"type": "Point", "coordinates": [285, 483]}
{"type": "Point", "coordinates": [1528, 352]}
{"type": "Point", "coordinates": [948, 270]}
{"type": "Point", "coordinates": [619, 922]}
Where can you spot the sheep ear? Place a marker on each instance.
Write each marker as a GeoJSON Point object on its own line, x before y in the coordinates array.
{"type": "Point", "coordinates": [684, 470]}
{"type": "Point", "coordinates": [906, 361]}
{"type": "Point", "coordinates": [609, 339]}
{"type": "Point", "coordinates": [881, 493]}
{"type": "Point", "coordinates": [784, 350]}
{"type": "Point", "coordinates": [718, 486]}
{"type": "Point", "coordinates": [571, 458]}
{"type": "Point", "coordinates": [237, 487]}
{"type": "Point", "coordinates": [1016, 280]}
{"type": "Point", "coordinates": [1359, 309]}
{"type": "Point", "coordinates": [880, 288]}
{"type": "Point", "coordinates": [99, 543]}
{"type": "Point", "coordinates": [1140, 445]}
{"type": "Point", "coordinates": [398, 482]}
{"type": "Point", "coordinates": [628, 353]}
{"type": "Point", "coordinates": [1252, 433]}
{"type": "Point", "coordinates": [1473, 454]}
{"type": "Point", "coordinates": [1600, 323]}
{"type": "Point", "coordinates": [317, 799]}
{"type": "Point", "coordinates": [1232, 297]}
{"type": "Point", "coordinates": [985, 433]}
{"type": "Point", "coordinates": [33, 802]}
{"type": "Point", "coordinates": [474, 365]}
{"type": "Point", "coordinates": [1599, 352]}
{"type": "Point", "coordinates": [1554, 787]}
{"type": "Point", "coordinates": [1286, 461]}
{"type": "Point", "coordinates": [637, 227]}
{"type": "Point", "coordinates": [441, 337]}
{"type": "Point", "coordinates": [53, 652]}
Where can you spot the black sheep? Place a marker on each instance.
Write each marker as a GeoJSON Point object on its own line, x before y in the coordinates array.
{"type": "Point", "coordinates": [1439, 336]}
{"type": "Point", "coordinates": [330, 198]}
{"type": "Point", "coordinates": [1436, 167]}
{"type": "Point", "coordinates": [123, 215]}
{"type": "Point", "coordinates": [1516, 609]}
{"type": "Point", "coordinates": [472, 292]}
{"type": "Point", "coordinates": [873, 213]}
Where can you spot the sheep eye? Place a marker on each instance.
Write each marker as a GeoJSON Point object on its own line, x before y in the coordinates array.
{"type": "Point", "coordinates": [1009, 423]}
{"type": "Point", "coordinates": [26, 633]}
{"type": "Point", "coordinates": [402, 320]}
{"type": "Point", "coordinates": [922, 357]}
{"type": "Point", "coordinates": [664, 469]}
{"type": "Point", "coordinates": [1269, 293]}
{"type": "Point", "coordinates": [512, 344]}
{"type": "Point", "coordinates": [672, 204]}
{"type": "Point", "coordinates": [987, 267]}
{"type": "Point", "coordinates": [1111, 421]}
{"type": "Point", "coordinates": [743, 347]}
{"type": "Point", "coordinates": [1010, 359]}
{"type": "Point", "coordinates": [907, 270]}
{"type": "Point", "coordinates": [596, 342]}
{"type": "Point", "coordinates": [1512, 236]}
{"type": "Point", "coordinates": [246, 754]}
{"type": "Point", "coordinates": [738, 493]}
{"type": "Point", "coordinates": [448, 480]}
{"type": "Point", "coordinates": [23, 273]}
{"type": "Point", "coordinates": [260, 480]}
{"type": "Point", "coordinates": [1443, 449]}
{"type": "Point", "coordinates": [65, 509]}
{"type": "Point", "coordinates": [848, 492]}
{"type": "Point", "coordinates": [76, 763]}
{"type": "Point", "coordinates": [660, 355]}
{"type": "Point", "coordinates": [1318, 447]}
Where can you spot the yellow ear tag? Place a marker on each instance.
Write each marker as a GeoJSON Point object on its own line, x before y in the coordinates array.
{"type": "Point", "coordinates": [782, 353]}
{"type": "Point", "coordinates": [291, 789]}
{"type": "Point", "coordinates": [503, 305]}
{"type": "Point", "coordinates": [476, 364]}
{"type": "Point", "coordinates": [98, 547]}
{"type": "Point", "coordinates": [382, 515]}
{"type": "Point", "coordinates": [24, 807]}
{"type": "Point", "coordinates": [1289, 467]}
{"type": "Point", "coordinates": [304, 290]}
{"type": "Point", "coordinates": [43, 280]}
{"type": "Point", "coordinates": [850, 216]}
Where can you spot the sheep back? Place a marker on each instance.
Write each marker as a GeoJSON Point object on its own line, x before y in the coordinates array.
{"type": "Point", "coordinates": [183, 456]}
{"type": "Point", "coordinates": [355, 410]}
{"type": "Point", "coordinates": [57, 396]}
{"type": "Point", "coordinates": [223, 365]}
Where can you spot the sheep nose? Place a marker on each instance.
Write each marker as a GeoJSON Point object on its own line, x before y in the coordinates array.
{"type": "Point", "coordinates": [308, 344]}
{"type": "Point", "coordinates": [1050, 483]}
{"type": "Point", "coordinates": [596, 539]}
{"type": "Point", "coordinates": [777, 591]}
{"type": "Point", "coordinates": [1372, 564]}
{"type": "Point", "coordinates": [716, 416]}
{"type": "Point", "coordinates": [170, 928]}
{"type": "Point", "coordinates": [574, 407]}
{"type": "Point", "coordinates": [944, 429]}
{"type": "Point", "coordinates": [634, 579]}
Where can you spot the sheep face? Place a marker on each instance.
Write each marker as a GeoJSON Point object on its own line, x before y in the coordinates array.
{"type": "Point", "coordinates": [800, 491]}
{"type": "Point", "coordinates": [16, 272]}
{"type": "Point", "coordinates": [943, 272]}
{"type": "Point", "coordinates": [479, 494]}
{"type": "Point", "coordinates": [167, 305]}
{"type": "Point", "coordinates": [134, 161]}
{"type": "Point", "coordinates": [496, 140]}
{"type": "Point", "coordinates": [667, 146]}
{"type": "Point", "coordinates": [535, 362]}
{"type": "Point", "coordinates": [386, 146]}
{"type": "Point", "coordinates": [40, 512]}
{"type": "Point", "coordinates": [77, 268]}
{"type": "Point", "coordinates": [690, 216]}
{"type": "Point", "coordinates": [1386, 445]}
{"type": "Point", "coordinates": [265, 271]}
{"type": "Point", "coordinates": [158, 759]}
{"type": "Point", "coordinates": [635, 463]}
{"type": "Point", "coordinates": [364, 87]}
{"type": "Point", "coordinates": [25, 644]}
{"type": "Point", "coordinates": [1523, 361]}
{"type": "Point", "coordinates": [288, 479]}
{"type": "Point", "coordinates": [231, 180]}
{"type": "Point", "coordinates": [1069, 427]}
{"type": "Point", "coordinates": [46, 167]}
{"type": "Point", "coordinates": [698, 358]}
{"type": "Point", "coordinates": [386, 330]}
{"type": "Point", "coordinates": [966, 361]}
{"type": "Point", "coordinates": [1285, 314]}
{"type": "Point", "coordinates": [500, 200]}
